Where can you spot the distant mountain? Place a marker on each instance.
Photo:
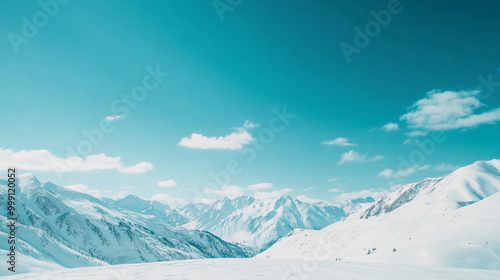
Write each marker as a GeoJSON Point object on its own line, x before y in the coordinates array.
{"type": "Point", "coordinates": [61, 227]}
{"type": "Point", "coordinates": [259, 223]}
{"type": "Point", "coordinates": [352, 205]}
{"type": "Point", "coordinates": [449, 221]}
{"type": "Point", "coordinates": [252, 223]}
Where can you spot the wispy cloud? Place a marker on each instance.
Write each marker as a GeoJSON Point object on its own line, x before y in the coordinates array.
{"type": "Point", "coordinates": [113, 118]}
{"type": "Point", "coordinates": [446, 167]}
{"type": "Point", "coordinates": [167, 184]}
{"type": "Point", "coordinates": [335, 190]}
{"type": "Point", "coordinates": [390, 127]}
{"type": "Point", "coordinates": [165, 198]}
{"type": "Point", "coordinates": [84, 189]}
{"type": "Point", "coordinates": [353, 156]}
{"type": "Point", "coordinates": [233, 141]}
{"type": "Point", "coordinates": [373, 193]}
{"type": "Point", "coordinates": [445, 110]}
{"type": "Point", "coordinates": [341, 141]}
{"type": "Point", "coordinates": [307, 199]}
{"type": "Point", "coordinates": [390, 173]}
{"type": "Point", "coordinates": [261, 186]}
{"type": "Point", "coordinates": [230, 192]}
{"type": "Point", "coordinates": [100, 193]}
{"type": "Point", "coordinates": [333, 179]}
{"type": "Point", "coordinates": [138, 168]}
{"type": "Point", "coordinates": [272, 195]}
{"type": "Point", "coordinates": [44, 160]}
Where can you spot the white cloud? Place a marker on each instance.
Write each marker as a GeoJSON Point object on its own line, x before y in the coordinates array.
{"type": "Point", "coordinates": [233, 141]}
{"type": "Point", "coordinates": [249, 125]}
{"type": "Point", "coordinates": [445, 110]}
{"type": "Point", "coordinates": [308, 189]}
{"type": "Point", "coordinates": [390, 127]}
{"type": "Point", "coordinates": [84, 189]}
{"type": "Point", "coordinates": [306, 199]}
{"type": "Point", "coordinates": [377, 158]}
{"type": "Point", "coordinates": [396, 187]}
{"type": "Point", "coordinates": [341, 141]}
{"type": "Point", "coordinates": [113, 118]}
{"type": "Point", "coordinates": [100, 193]}
{"type": "Point", "coordinates": [446, 167]}
{"type": "Point", "coordinates": [389, 173]}
{"type": "Point", "coordinates": [138, 168]}
{"type": "Point", "coordinates": [416, 133]}
{"type": "Point", "coordinates": [167, 184]}
{"type": "Point", "coordinates": [332, 179]}
{"type": "Point", "coordinates": [230, 192]}
{"type": "Point", "coordinates": [375, 194]}
{"type": "Point", "coordinates": [116, 195]}
{"type": "Point", "coordinates": [43, 160]}
{"type": "Point", "coordinates": [272, 195]}
{"type": "Point", "coordinates": [204, 200]}
{"type": "Point", "coordinates": [406, 142]}
{"type": "Point", "coordinates": [261, 186]}
{"type": "Point", "coordinates": [335, 190]}
{"type": "Point", "coordinates": [165, 198]}
{"type": "Point", "coordinates": [353, 156]}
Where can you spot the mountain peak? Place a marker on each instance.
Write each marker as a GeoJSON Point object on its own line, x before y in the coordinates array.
{"type": "Point", "coordinates": [133, 202]}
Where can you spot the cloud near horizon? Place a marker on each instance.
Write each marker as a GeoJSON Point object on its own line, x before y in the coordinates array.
{"type": "Point", "coordinates": [389, 173]}
{"type": "Point", "coordinates": [113, 118]}
{"type": "Point", "coordinates": [165, 198]}
{"type": "Point", "coordinates": [446, 167]}
{"type": "Point", "coordinates": [272, 195]}
{"type": "Point", "coordinates": [44, 160]}
{"type": "Point", "coordinates": [100, 193]}
{"type": "Point", "coordinates": [373, 193]}
{"type": "Point", "coordinates": [261, 186]}
{"type": "Point", "coordinates": [230, 192]}
{"type": "Point", "coordinates": [233, 141]}
{"type": "Point", "coordinates": [167, 184]}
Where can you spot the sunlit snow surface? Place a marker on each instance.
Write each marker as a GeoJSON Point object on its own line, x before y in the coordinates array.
{"type": "Point", "coordinates": [253, 269]}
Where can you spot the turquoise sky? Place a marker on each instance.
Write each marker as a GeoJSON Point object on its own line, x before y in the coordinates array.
{"type": "Point", "coordinates": [433, 68]}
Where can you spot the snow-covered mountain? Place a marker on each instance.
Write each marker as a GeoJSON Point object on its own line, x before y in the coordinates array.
{"type": "Point", "coordinates": [449, 221]}
{"type": "Point", "coordinates": [259, 223]}
{"type": "Point", "coordinates": [59, 227]}
{"type": "Point", "coordinates": [253, 223]}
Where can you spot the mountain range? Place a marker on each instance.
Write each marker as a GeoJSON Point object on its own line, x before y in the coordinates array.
{"type": "Point", "coordinates": [254, 224]}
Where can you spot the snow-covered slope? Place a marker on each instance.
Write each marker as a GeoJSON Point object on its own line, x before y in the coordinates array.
{"type": "Point", "coordinates": [259, 223]}
{"type": "Point", "coordinates": [252, 269]}
{"type": "Point", "coordinates": [63, 228]}
{"type": "Point", "coordinates": [449, 221]}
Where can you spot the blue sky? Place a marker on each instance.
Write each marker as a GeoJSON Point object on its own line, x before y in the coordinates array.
{"type": "Point", "coordinates": [430, 76]}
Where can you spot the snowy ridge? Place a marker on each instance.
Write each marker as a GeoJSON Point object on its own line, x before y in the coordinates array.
{"type": "Point", "coordinates": [449, 221]}
{"type": "Point", "coordinates": [63, 228]}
